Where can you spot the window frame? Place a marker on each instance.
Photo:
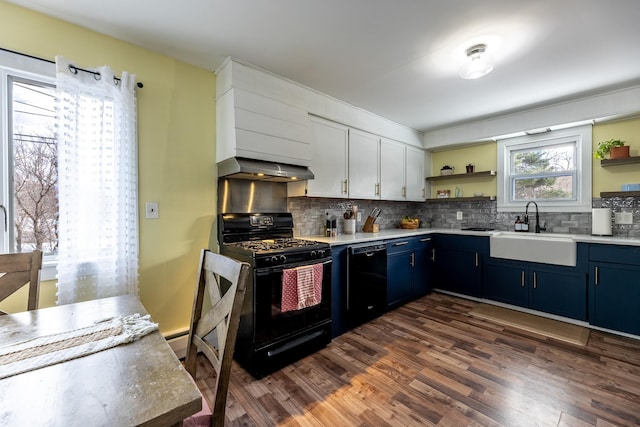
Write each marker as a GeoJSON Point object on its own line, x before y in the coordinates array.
{"type": "Point", "coordinates": [581, 136]}
{"type": "Point", "coordinates": [18, 67]}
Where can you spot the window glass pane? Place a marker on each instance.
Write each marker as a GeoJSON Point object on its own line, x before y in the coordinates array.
{"type": "Point", "coordinates": [544, 173]}
{"type": "Point", "coordinates": [544, 188]}
{"type": "Point", "coordinates": [35, 171]}
{"type": "Point", "coordinates": [544, 159]}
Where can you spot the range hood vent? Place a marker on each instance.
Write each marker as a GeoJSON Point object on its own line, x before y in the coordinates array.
{"type": "Point", "coordinates": [261, 170]}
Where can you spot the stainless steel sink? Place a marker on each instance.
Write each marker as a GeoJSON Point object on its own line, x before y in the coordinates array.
{"type": "Point", "coordinates": [557, 249]}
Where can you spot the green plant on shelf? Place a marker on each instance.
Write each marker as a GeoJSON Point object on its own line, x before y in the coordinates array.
{"type": "Point", "coordinates": [604, 147]}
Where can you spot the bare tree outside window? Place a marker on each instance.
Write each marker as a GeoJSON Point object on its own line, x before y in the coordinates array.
{"type": "Point", "coordinates": [35, 168]}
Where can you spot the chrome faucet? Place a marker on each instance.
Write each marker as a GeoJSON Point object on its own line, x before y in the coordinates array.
{"type": "Point", "coordinates": [526, 217]}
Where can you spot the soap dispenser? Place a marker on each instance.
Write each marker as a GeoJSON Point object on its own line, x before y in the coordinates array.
{"type": "Point", "coordinates": [518, 224]}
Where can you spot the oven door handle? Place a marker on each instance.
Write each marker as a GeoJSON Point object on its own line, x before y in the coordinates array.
{"type": "Point", "coordinates": [264, 271]}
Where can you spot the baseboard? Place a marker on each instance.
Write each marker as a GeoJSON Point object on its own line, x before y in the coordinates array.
{"type": "Point", "coordinates": [179, 345]}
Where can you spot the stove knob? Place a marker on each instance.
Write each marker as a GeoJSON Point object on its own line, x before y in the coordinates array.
{"type": "Point", "coordinates": [282, 259]}
{"type": "Point", "coordinates": [273, 260]}
{"type": "Point", "coordinates": [321, 253]}
{"type": "Point", "coordinates": [313, 254]}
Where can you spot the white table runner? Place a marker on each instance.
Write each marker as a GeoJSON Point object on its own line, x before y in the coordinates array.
{"type": "Point", "coordinates": [48, 350]}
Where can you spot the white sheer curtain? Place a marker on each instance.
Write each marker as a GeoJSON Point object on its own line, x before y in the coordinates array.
{"type": "Point", "coordinates": [98, 184]}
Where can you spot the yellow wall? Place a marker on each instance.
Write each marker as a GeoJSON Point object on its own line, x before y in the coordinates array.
{"type": "Point", "coordinates": [485, 158]}
{"type": "Point", "coordinates": [612, 177]}
{"type": "Point", "coordinates": [176, 137]}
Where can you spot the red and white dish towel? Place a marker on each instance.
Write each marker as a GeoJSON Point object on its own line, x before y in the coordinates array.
{"type": "Point", "coordinates": [301, 287]}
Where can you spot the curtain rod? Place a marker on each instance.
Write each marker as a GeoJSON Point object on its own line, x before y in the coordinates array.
{"type": "Point", "coordinates": [72, 68]}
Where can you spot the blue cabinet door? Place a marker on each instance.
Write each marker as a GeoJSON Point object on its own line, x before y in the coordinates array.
{"type": "Point", "coordinates": [458, 271]}
{"type": "Point", "coordinates": [506, 282]}
{"type": "Point", "coordinates": [399, 278]}
{"type": "Point", "coordinates": [339, 291]}
{"type": "Point", "coordinates": [399, 272]}
{"type": "Point", "coordinates": [423, 266]}
{"type": "Point", "coordinates": [615, 291]}
{"type": "Point", "coordinates": [559, 290]}
{"type": "Point", "coordinates": [458, 263]}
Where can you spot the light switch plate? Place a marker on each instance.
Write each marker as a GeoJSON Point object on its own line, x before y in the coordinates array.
{"type": "Point", "coordinates": [151, 210]}
{"type": "Point", "coordinates": [624, 217]}
{"type": "Point", "coordinates": [459, 215]}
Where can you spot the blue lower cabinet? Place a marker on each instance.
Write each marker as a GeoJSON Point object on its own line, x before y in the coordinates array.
{"type": "Point", "coordinates": [552, 289]}
{"type": "Point", "coordinates": [615, 296]}
{"type": "Point", "coordinates": [423, 266]}
{"type": "Point", "coordinates": [614, 287]}
{"type": "Point", "coordinates": [458, 263]}
{"type": "Point", "coordinates": [339, 291]}
{"type": "Point", "coordinates": [409, 267]}
{"type": "Point", "coordinates": [559, 290]}
{"type": "Point", "coordinates": [399, 274]}
{"type": "Point", "coordinates": [506, 282]}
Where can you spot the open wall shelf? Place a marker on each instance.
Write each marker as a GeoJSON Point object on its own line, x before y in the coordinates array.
{"type": "Point", "coordinates": [620, 194]}
{"type": "Point", "coordinates": [461, 199]}
{"type": "Point", "coordinates": [461, 175]}
{"type": "Point", "coordinates": [621, 161]}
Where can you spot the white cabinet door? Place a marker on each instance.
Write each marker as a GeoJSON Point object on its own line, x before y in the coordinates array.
{"type": "Point", "coordinates": [392, 170]}
{"type": "Point", "coordinates": [329, 149]}
{"type": "Point", "coordinates": [415, 180]}
{"type": "Point", "coordinates": [364, 181]}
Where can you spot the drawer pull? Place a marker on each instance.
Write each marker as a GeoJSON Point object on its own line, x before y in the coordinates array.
{"type": "Point", "coordinates": [400, 243]}
{"type": "Point", "coordinates": [522, 279]}
{"type": "Point", "coordinates": [596, 275]}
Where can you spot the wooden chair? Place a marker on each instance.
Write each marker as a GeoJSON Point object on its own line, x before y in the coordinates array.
{"type": "Point", "coordinates": [16, 270]}
{"type": "Point", "coordinates": [214, 332]}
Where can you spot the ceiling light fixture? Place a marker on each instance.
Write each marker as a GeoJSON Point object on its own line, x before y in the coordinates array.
{"type": "Point", "coordinates": [477, 64]}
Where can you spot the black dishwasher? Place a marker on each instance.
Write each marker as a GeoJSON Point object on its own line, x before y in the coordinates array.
{"type": "Point", "coordinates": [367, 282]}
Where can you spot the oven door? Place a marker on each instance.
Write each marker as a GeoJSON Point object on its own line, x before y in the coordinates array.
{"type": "Point", "coordinates": [271, 324]}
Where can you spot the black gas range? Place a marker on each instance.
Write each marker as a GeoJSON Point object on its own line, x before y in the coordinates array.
{"type": "Point", "coordinates": [270, 337]}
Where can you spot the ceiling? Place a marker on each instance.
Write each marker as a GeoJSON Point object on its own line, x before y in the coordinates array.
{"type": "Point", "coordinates": [396, 58]}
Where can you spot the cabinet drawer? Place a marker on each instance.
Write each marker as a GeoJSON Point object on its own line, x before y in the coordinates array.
{"type": "Point", "coordinates": [399, 245]}
{"type": "Point", "coordinates": [422, 242]}
{"type": "Point", "coordinates": [615, 253]}
{"type": "Point", "coordinates": [467, 243]}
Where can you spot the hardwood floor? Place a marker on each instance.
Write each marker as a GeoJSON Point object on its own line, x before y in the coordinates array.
{"type": "Point", "coordinates": [430, 363]}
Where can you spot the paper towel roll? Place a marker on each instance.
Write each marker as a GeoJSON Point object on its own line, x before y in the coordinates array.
{"type": "Point", "coordinates": [601, 221]}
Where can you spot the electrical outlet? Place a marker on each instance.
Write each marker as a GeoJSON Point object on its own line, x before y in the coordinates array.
{"type": "Point", "coordinates": [624, 217]}
{"type": "Point", "coordinates": [327, 212]}
{"type": "Point", "coordinates": [151, 210]}
{"type": "Point", "coordinates": [459, 215]}
{"type": "Point", "coordinates": [359, 216]}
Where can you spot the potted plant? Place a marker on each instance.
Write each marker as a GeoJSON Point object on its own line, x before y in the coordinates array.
{"type": "Point", "coordinates": [615, 148]}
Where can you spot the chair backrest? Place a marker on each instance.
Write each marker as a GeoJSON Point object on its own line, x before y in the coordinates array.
{"type": "Point", "coordinates": [16, 270]}
{"type": "Point", "coordinates": [214, 332]}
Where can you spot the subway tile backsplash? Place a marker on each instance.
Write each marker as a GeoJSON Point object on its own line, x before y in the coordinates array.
{"type": "Point", "coordinates": [309, 215]}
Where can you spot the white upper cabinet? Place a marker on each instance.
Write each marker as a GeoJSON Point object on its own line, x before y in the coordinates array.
{"type": "Point", "coordinates": [415, 183]}
{"type": "Point", "coordinates": [364, 165]}
{"type": "Point", "coordinates": [350, 163]}
{"type": "Point", "coordinates": [401, 171]}
{"type": "Point", "coordinates": [329, 150]}
{"type": "Point", "coordinates": [392, 170]}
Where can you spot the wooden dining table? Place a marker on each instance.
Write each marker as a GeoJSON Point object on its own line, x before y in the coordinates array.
{"type": "Point", "coordinates": [140, 383]}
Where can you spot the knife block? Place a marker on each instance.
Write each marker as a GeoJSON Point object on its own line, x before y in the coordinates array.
{"type": "Point", "coordinates": [368, 225]}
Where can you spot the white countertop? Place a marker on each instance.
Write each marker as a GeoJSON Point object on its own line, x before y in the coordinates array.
{"type": "Point", "coordinates": [393, 233]}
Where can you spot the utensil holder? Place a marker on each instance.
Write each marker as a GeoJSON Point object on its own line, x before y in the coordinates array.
{"type": "Point", "coordinates": [349, 226]}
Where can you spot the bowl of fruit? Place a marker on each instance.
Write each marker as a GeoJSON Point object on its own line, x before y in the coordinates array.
{"type": "Point", "coordinates": [409, 223]}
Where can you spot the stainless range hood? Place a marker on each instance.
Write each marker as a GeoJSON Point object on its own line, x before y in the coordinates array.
{"type": "Point", "coordinates": [261, 170]}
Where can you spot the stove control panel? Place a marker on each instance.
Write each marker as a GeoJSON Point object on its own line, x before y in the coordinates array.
{"type": "Point", "coordinates": [261, 221]}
